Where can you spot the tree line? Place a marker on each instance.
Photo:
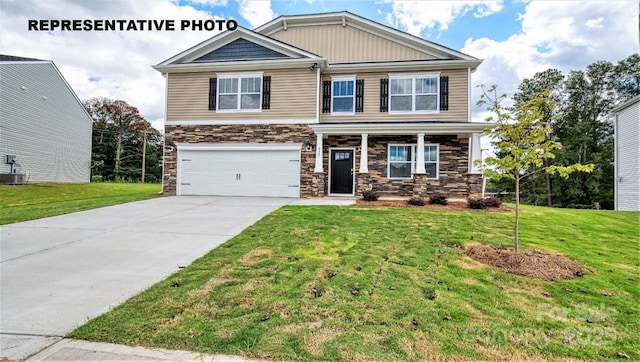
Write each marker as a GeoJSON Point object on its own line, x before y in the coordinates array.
{"type": "Point", "coordinates": [123, 141]}
{"type": "Point", "coordinates": [576, 114]}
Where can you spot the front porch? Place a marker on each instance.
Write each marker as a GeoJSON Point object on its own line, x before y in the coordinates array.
{"type": "Point", "coordinates": [397, 160]}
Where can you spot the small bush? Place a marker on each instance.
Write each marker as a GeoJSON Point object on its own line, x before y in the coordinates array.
{"type": "Point", "coordinates": [370, 195]}
{"type": "Point", "coordinates": [492, 201]}
{"type": "Point", "coordinates": [438, 199]}
{"type": "Point", "coordinates": [477, 204]}
{"type": "Point", "coordinates": [416, 201]}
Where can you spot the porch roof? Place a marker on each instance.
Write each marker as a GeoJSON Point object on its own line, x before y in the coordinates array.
{"type": "Point", "coordinates": [461, 129]}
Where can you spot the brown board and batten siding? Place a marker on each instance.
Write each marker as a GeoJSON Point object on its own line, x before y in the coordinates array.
{"type": "Point", "coordinates": [346, 44]}
{"type": "Point", "coordinates": [293, 96]}
{"type": "Point", "coordinates": [458, 100]}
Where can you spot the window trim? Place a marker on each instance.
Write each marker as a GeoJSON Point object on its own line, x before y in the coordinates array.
{"type": "Point", "coordinates": [412, 162]}
{"type": "Point", "coordinates": [413, 78]}
{"type": "Point", "coordinates": [342, 78]}
{"type": "Point", "coordinates": [239, 77]}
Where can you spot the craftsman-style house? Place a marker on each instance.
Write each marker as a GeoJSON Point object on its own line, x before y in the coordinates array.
{"type": "Point", "coordinates": [319, 105]}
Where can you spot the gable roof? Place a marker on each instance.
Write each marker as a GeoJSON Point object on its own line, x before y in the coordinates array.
{"type": "Point", "coordinates": [240, 49]}
{"type": "Point", "coordinates": [626, 104]}
{"type": "Point", "coordinates": [244, 49]}
{"type": "Point", "coordinates": [346, 18]}
{"type": "Point", "coordinates": [29, 63]}
{"type": "Point", "coordinates": [13, 58]}
{"type": "Point", "coordinates": [225, 48]}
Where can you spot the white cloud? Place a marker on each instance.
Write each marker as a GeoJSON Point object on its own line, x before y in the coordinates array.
{"type": "Point", "coordinates": [116, 65]}
{"type": "Point", "coordinates": [416, 16]}
{"type": "Point", "coordinates": [256, 12]}
{"type": "Point", "coordinates": [557, 35]}
{"type": "Point", "coordinates": [210, 2]}
{"type": "Point", "coordinates": [594, 23]}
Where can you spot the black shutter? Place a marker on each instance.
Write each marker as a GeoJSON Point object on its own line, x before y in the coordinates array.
{"type": "Point", "coordinates": [360, 95]}
{"type": "Point", "coordinates": [444, 93]}
{"type": "Point", "coordinates": [266, 92]}
{"type": "Point", "coordinates": [326, 96]}
{"type": "Point", "coordinates": [384, 95]}
{"type": "Point", "coordinates": [213, 87]}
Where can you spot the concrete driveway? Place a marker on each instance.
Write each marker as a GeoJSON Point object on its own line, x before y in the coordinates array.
{"type": "Point", "coordinates": [57, 272]}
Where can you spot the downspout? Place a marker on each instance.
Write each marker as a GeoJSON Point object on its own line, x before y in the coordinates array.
{"type": "Point", "coordinates": [615, 163]}
{"type": "Point", "coordinates": [164, 139]}
{"type": "Point", "coordinates": [469, 92]}
{"type": "Point", "coordinates": [318, 94]}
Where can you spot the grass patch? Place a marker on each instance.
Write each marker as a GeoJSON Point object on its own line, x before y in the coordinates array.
{"type": "Point", "coordinates": [345, 283]}
{"type": "Point", "coordinates": [35, 201]}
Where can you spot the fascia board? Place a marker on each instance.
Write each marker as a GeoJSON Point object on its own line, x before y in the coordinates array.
{"type": "Point", "coordinates": [402, 66]}
{"type": "Point", "coordinates": [260, 64]}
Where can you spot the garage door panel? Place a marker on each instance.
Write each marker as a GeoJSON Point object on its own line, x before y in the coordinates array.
{"type": "Point", "coordinates": [240, 172]}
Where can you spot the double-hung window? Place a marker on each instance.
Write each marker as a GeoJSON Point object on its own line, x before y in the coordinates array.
{"type": "Point", "coordinates": [402, 161]}
{"type": "Point", "coordinates": [414, 93]}
{"type": "Point", "coordinates": [240, 92]}
{"type": "Point", "coordinates": [343, 96]}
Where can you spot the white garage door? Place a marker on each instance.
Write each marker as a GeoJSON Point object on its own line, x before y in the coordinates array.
{"type": "Point", "coordinates": [234, 170]}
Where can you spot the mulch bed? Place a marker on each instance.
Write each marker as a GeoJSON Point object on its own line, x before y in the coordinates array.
{"type": "Point", "coordinates": [452, 205]}
{"type": "Point", "coordinates": [531, 263]}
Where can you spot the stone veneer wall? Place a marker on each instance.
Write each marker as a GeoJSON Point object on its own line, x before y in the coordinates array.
{"type": "Point", "coordinates": [454, 180]}
{"type": "Point", "coordinates": [258, 133]}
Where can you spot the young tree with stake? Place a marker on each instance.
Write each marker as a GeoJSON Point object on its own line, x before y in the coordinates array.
{"type": "Point", "coordinates": [521, 138]}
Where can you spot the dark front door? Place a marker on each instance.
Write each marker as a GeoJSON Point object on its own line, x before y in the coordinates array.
{"type": "Point", "coordinates": [341, 172]}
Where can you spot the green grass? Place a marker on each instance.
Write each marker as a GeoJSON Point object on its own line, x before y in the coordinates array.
{"type": "Point", "coordinates": [28, 202]}
{"type": "Point", "coordinates": [284, 289]}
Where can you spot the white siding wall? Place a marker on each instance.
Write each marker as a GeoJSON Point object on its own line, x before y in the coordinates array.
{"type": "Point", "coordinates": [628, 158]}
{"type": "Point", "coordinates": [50, 137]}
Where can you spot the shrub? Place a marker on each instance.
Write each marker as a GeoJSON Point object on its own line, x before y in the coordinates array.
{"type": "Point", "coordinates": [438, 199]}
{"type": "Point", "coordinates": [492, 201]}
{"type": "Point", "coordinates": [370, 195]}
{"type": "Point", "coordinates": [416, 201]}
{"type": "Point", "coordinates": [477, 204]}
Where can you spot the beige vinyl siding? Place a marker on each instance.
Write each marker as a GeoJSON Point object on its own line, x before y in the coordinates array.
{"type": "Point", "coordinates": [293, 96]}
{"type": "Point", "coordinates": [458, 101]}
{"type": "Point", "coordinates": [346, 44]}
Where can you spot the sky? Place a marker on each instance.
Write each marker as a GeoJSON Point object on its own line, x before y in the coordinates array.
{"type": "Point", "coordinates": [515, 38]}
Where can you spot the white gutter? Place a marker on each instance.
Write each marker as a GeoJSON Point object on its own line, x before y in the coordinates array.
{"type": "Point", "coordinates": [402, 65]}
{"type": "Point", "coordinates": [432, 128]}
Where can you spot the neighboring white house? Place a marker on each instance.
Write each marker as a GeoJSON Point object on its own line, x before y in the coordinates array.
{"type": "Point", "coordinates": [45, 132]}
{"type": "Point", "coordinates": [627, 155]}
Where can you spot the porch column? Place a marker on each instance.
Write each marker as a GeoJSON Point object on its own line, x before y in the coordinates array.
{"type": "Point", "coordinates": [364, 151]}
{"type": "Point", "coordinates": [318, 167]}
{"type": "Point", "coordinates": [475, 153]}
{"type": "Point", "coordinates": [420, 155]}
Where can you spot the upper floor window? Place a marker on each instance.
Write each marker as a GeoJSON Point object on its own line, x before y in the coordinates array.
{"type": "Point", "coordinates": [414, 93]}
{"type": "Point", "coordinates": [343, 97]}
{"type": "Point", "coordinates": [239, 92]}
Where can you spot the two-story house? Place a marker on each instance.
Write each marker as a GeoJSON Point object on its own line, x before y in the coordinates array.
{"type": "Point", "coordinates": [320, 105]}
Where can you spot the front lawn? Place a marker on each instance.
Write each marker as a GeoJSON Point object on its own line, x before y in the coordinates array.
{"type": "Point", "coordinates": [354, 283]}
{"type": "Point", "coordinates": [28, 202]}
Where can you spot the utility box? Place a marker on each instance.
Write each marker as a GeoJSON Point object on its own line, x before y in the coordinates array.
{"type": "Point", "coordinates": [12, 178]}
{"type": "Point", "coordinates": [10, 159]}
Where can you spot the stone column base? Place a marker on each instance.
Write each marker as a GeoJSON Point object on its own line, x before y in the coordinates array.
{"type": "Point", "coordinates": [362, 183]}
{"type": "Point", "coordinates": [318, 184]}
{"type": "Point", "coordinates": [474, 185]}
{"type": "Point", "coordinates": [420, 184]}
